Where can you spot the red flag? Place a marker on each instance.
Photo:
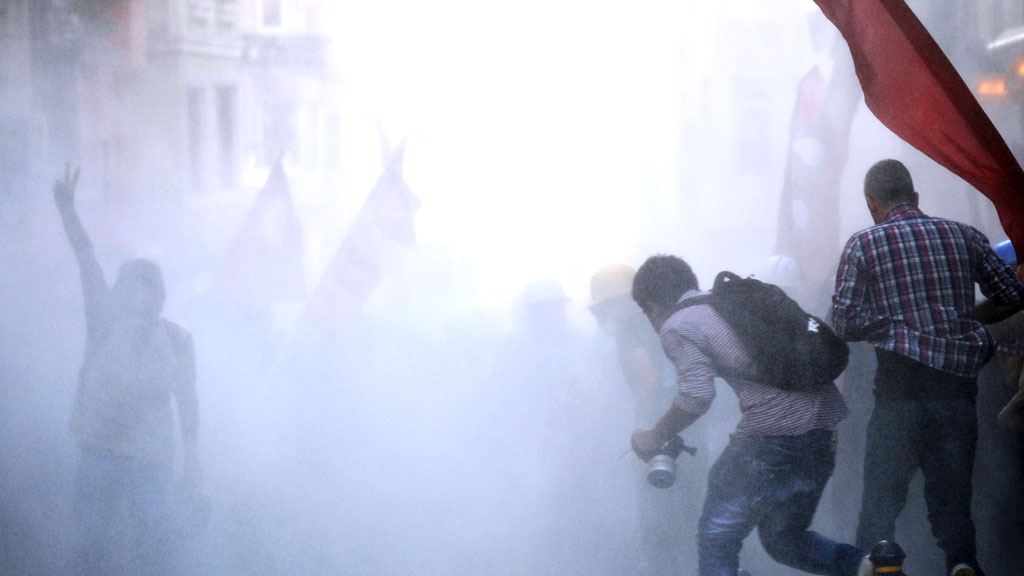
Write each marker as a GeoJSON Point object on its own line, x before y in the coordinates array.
{"type": "Point", "coordinates": [264, 262]}
{"type": "Point", "coordinates": [386, 216]}
{"type": "Point", "coordinates": [914, 90]}
{"type": "Point", "coordinates": [127, 18]}
{"type": "Point", "coordinates": [818, 150]}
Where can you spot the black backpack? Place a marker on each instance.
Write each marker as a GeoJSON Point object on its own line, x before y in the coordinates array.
{"type": "Point", "coordinates": [793, 350]}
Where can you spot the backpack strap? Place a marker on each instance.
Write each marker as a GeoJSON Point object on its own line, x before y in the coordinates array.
{"type": "Point", "coordinates": [721, 279]}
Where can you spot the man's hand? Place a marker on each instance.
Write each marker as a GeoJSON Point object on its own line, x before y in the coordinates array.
{"type": "Point", "coordinates": [876, 325]}
{"type": "Point", "coordinates": [989, 311]}
{"type": "Point", "coordinates": [645, 443]}
{"type": "Point", "coordinates": [64, 190]}
{"type": "Point", "coordinates": [1012, 415]}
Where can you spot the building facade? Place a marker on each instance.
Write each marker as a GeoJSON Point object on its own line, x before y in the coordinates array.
{"type": "Point", "coordinates": [164, 98]}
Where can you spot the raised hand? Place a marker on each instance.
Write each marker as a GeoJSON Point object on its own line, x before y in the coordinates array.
{"type": "Point", "coordinates": [64, 190]}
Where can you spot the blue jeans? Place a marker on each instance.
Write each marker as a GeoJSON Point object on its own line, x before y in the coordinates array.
{"type": "Point", "coordinates": [939, 437]}
{"type": "Point", "coordinates": [102, 483]}
{"type": "Point", "coordinates": [772, 483]}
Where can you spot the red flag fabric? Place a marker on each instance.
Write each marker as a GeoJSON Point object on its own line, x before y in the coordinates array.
{"type": "Point", "coordinates": [913, 89]}
{"type": "Point", "coordinates": [127, 19]}
{"type": "Point", "coordinates": [385, 217]}
{"type": "Point", "coordinates": [818, 145]}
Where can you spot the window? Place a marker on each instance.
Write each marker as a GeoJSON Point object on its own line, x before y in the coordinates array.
{"type": "Point", "coordinates": [226, 126]}
{"type": "Point", "coordinates": [195, 113]}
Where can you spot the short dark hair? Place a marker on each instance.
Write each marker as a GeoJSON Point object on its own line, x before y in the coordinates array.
{"type": "Point", "coordinates": [662, 279]}
{"type": "Point", "coordinates": [889, 181]}
{"type": "Point", "coordinates": [142, 274]}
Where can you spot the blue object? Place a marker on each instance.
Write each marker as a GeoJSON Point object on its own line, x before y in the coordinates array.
{"type": "Point", "coordinates": [1005, 251]}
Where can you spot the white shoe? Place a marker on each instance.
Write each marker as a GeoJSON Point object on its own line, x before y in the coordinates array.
{"type": "Point", "coordinates": [962, 570]}
{"type": "Point", "coordinates": [866, 568]}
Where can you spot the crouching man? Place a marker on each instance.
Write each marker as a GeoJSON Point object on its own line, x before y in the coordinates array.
{"type": "Point", "coordinates": [779, 458]}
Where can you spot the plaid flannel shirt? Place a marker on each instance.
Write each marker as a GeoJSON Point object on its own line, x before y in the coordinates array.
{"type": "Point", "coordinates": [907, 286]}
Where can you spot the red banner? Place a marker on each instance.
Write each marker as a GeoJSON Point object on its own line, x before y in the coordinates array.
{"type": "Point", "coordinates": [818, 145]}
{"type": "Point", "coordinates": [914, 90]}
{"type": "Point", "coordinates": [385, 217]}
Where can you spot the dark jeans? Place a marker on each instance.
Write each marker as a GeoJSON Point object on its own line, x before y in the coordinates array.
{"type": "Point", "coordinates": [939, 437]}
{"type": "Point", "coordinates": [103, 482]}
{"type": "Point", "coordinates": [772, 483]}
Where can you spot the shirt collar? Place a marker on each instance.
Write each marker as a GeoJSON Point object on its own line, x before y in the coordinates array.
{"type": "Point", "coordinates": [904, 211]}
{"type": "Point", "coordinates": [689, 294]}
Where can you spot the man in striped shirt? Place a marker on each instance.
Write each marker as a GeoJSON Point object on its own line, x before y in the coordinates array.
{"type": "Point", "coordinates": [781, 455]}
{"type": "Point", "coordinates": [907, 287]}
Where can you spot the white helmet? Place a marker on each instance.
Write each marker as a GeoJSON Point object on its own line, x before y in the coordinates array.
{"type": "Point", "coordinates": [782, 271]}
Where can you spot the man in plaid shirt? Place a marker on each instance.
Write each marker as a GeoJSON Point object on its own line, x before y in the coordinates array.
{"type": "Point", "coordinates": [906, 286]}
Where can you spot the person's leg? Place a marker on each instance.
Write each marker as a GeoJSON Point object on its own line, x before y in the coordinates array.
{"type": "Point", "coordinates": [730, 509]}
{"type": "Point", "coordinates": [890, 461]}
{"type": "Point", "coordinates": [798, 467]}
{"type": "Point", "coordinates": [948, 466]}
{"type": "Point", "coordinates": [152, 511]}
{"type": "Point", "coordinates": [99, 486]}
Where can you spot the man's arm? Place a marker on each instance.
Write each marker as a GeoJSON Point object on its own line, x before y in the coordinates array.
{"type": "Point", "coordinates": [647, 442]}
{"type": "Point", "coordinates": [1009, 333]}
{"type": "Point", "coordinates": [990, 311]}
{"type": "Point", "coordinates": [695, 378]}
{"type": "Point", "coordinates": [188, 409]}
{"type": "Point", "coordinates": [998, 282]}
{"type": "Point", "coordinates": [851, 317]}
{"type": "Point", "coordinates": [94, 286]}
{"type": "Point", "coordinates": [1012, 415]}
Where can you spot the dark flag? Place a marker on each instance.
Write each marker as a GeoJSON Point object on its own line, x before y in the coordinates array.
{"type": "Point", "coordinates": [355, 270]}
{"type": "Point", "coordinates": [915, 91]}
{"type": "Point", "coordinates": [264, 263]}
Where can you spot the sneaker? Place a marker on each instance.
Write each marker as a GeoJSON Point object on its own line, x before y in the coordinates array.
{"type": "Point", "coordinates": [962, 570]}
{"type": "Point", "coordinates": [866, 568]}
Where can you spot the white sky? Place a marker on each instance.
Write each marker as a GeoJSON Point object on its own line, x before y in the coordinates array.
{"type": "Point", "coordinates": [547, 137]}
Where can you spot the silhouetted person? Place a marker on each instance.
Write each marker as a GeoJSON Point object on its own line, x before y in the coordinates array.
{"type": "Point", "coordinates": [1000, 462]}
{"type": "Point", "coordinates": [906, 286]}
{"type": "Point", "coordinates": [646, 371]}
{"type": "Point", "coordinates": [135, 363]}
{"type": "Point", "coordinates": [1009, 334]}
{"type": "Point", "coordinates": [544, 383]}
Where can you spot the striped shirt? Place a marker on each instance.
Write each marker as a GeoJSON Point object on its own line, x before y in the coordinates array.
{"type": "Point", "coordinates": [701, 346]}
{"type": "Point", "coordinates": [907, 286]}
